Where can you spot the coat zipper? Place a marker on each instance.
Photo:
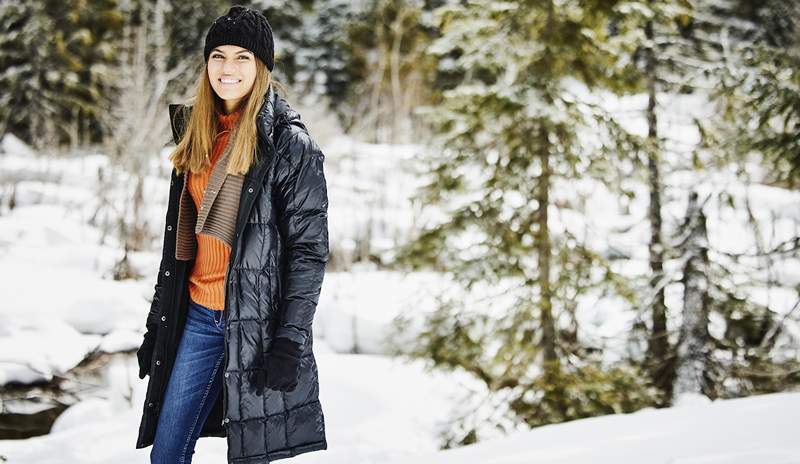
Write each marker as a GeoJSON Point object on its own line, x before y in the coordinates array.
{"type": "Point", "coordinates": [281, 117]}
{"type": "Point", "coordinates": [225, 347]}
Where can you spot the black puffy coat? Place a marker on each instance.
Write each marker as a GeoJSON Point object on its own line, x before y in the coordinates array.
{"type": "Point", "coordinates": [275, 274]}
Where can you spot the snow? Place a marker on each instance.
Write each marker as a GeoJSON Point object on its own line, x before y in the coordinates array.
{"type": "Point", "coordinates": [36, 347]}
{"type": "Point", "coordinates": [12, 144]}
{"type": "Point", "coordinates": [363, 422]}
{"type": "Point", "coordinates": [379, 408]}
{"type": "Point", "coordinates": [721, 432]}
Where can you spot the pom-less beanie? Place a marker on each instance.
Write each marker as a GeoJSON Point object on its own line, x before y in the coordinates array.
{"type": "Point", "coordinates": [246, 28]}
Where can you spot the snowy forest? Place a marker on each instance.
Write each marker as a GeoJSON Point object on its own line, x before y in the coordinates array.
{"type": "Point", "coordinates": [561, 231]}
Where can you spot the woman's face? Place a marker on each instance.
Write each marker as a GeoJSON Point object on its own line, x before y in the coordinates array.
{"type": "Point", "coordinates": [232, 72]}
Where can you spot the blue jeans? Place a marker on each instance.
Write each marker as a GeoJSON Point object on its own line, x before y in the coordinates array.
{"type": "Point", "coordinates": [193, 387]}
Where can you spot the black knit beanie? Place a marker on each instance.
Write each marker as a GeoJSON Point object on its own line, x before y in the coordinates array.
{"type": "Point", "coordinates": [246, 28]}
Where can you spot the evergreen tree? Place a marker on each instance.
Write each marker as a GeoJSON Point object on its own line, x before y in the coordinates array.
{"type": "Point", "coordinates": [751, 349]}
{"type": "Point", "coordinates": [678, 48]}
{"type": "Point", "coordinates": [510, 129]}
{"type": "Point", "coordinates": [288, 19]}
{"type": "Point", "coordinates": [670, 61]}
{"type": "Point", "coordinates": [54, 69]}
{"type": "Point", "coordinates": [761, 96]}
{"type": "Point", "coordinates": [691, 47]}
{"type": "Point", "coordinates": [751, 45]}
{"type": "Point", "coordinates": [322, 62]}
{"type": "Point", "coordinates": [187, 27]}
{"type": "Point", "coordinates": [761, 90]}
{"type": "Point", "coordinates": [758, 82]}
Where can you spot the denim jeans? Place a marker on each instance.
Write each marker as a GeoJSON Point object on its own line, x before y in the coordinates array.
{"type": "Point", "coordinates": [193, 387]}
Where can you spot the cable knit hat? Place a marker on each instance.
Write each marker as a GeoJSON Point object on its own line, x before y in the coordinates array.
{"type": "Point", "coordinates": [246, 28]}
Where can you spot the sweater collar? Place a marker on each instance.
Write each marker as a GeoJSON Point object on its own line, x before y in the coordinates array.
{"type": "Point", "coordinates": [227, 121]}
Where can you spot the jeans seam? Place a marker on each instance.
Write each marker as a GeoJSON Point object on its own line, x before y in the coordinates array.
{"type": "Point", "coordinates": [199, 410]}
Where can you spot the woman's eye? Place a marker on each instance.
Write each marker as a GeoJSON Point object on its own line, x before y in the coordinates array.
{"type": "Point", "coordinates": [220, 56]}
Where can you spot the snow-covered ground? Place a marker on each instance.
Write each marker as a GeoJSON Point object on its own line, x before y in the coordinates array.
{"type": "Point", "coordinates": [391, 416]}
{"type": "Point", "coordinates": [759, 429]}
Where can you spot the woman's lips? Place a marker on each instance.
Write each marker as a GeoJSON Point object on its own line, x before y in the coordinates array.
{"type": "Point", "coordinates": [225, 81]}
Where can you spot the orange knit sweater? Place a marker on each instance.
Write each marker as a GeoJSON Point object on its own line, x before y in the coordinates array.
{"type": "Point", "coordinates": [206, 280]}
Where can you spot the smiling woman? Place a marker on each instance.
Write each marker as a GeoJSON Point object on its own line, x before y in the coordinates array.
{"type": "Point", "coordinates": [229, 345]}
{"type": "Point", "coordinates": [232, 72]}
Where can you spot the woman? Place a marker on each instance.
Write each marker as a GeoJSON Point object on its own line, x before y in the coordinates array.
{"type": "Point", "coordinates": [228, 345]}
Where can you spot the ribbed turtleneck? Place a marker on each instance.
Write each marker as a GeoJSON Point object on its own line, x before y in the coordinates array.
{"type": "Point", "coordinates": [227, 121]}
{"type": "Point", "coordinates": [207, 278]}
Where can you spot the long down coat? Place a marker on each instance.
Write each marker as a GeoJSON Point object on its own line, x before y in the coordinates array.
{"type": "Point", "coordinates": [273, 284]}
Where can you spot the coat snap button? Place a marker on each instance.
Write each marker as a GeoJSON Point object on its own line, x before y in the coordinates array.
{"type": "Point", "coordinates": [158, 362]}
{"type": "Point", "coordinates": [166, 273]}
{"type": "Point", "coordinates": [226, 420]}
{"type": "Point", "coordinates": [169, 227]}
{"type": "Point", "coordinates": [163, 318]}
{"type": "Point", "coordinates": [227, 374]}
{"type": "Point", "coordinates": [250, 190]}
{"type": "Point", "coordinates": [149, 405]}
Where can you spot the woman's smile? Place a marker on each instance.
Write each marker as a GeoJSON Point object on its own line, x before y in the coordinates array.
{"type": "Point", "coordinates": [229, 81]}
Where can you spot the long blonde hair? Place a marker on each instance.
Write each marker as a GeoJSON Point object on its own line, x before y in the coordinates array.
{"type": "Point", "coordinates": [201, 130]}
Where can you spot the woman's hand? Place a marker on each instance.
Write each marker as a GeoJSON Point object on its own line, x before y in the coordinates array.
{"type": "Point", "coordinates": [145, 354]}
{"type": "Point", "coordinates": [282, 364]}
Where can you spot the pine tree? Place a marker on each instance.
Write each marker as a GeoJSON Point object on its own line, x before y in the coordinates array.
{"type": "Point", "coordinates": [751, 348]}
{"type": "Point", "coordinates": [322, 61]}
{"type": "Point", "coordinates": [678, 46]}
{"type": "Point", "coordinates": [761, 90]}
{"type": "Point", "coordinates": [762, 94]}
{"type": "Point", "coordinates": [187, 27]}
{"type": "Point", "coordinates": [509, 130]}
{"type": "Point", "coordinates": [54, 69]}
{"type": "Point", "coordinates": [695, 48]}
{"type": "Point", "coordinates": [288, 19]}
{"type": "Point", "coordinates": [751, 45]}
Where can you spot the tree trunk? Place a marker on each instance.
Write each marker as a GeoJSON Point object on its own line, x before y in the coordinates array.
{"type": "Point", "coordinates": [548, 341]}
{"type": "Point", "coordinates": [658, 360]}
{"type": "Point", "coordinates": [692, 348]}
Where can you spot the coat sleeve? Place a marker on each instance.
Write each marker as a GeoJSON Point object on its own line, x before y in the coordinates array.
{"type": "Point", "coordinates": [302, 207]}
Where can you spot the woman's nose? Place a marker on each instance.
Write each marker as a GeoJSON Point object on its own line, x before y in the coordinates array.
{"type": "Point", "coordinates": [229, 66]}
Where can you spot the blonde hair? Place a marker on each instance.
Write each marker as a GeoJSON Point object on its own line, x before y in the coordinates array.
{"type": "Point", "coordinates": [201, 129]}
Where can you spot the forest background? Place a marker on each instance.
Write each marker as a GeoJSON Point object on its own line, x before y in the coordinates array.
{"type": "Point", "coordinates": [611, 186]}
